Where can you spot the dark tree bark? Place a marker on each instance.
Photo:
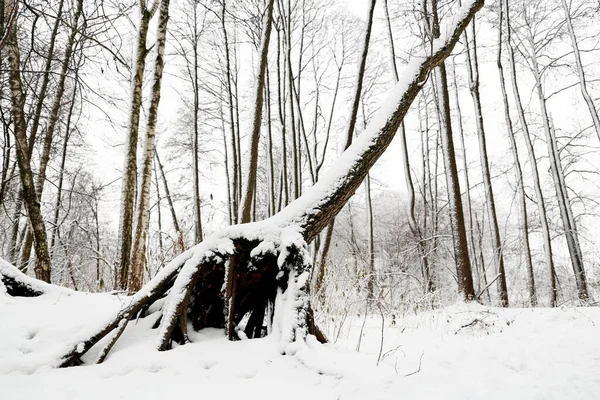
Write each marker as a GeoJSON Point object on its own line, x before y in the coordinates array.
{"type": "Point", "coordinates": [457, 221]}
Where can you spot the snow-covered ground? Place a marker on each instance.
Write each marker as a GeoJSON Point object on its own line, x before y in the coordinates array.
{"type": "Point", "coordinates": [461, 352]}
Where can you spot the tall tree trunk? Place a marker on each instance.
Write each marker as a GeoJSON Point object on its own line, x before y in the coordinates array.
{"type": "Point", "coordinates": [252, 164]}
{"type": "Point", "coordinates": [234, 147]}
{"type": "Point", "coordinates": [30, 197]}
{"type": "Point", "coordinates": [524, 220]}
{"type": "Point", "coordinates": [290, 82]}
{"type": "Point", "coordinates": [131, 142]}
{"type": "Point", "coordinates": [457, 222]}
{"type": "Point", "coordinates": [532, 161]}
{"type": "Point", "coordinates": [53, 120]}
{"type": "Point", "coordinates": [467, 189]}
{"type": "Point", "coordinates": [271, 164]}
{"type": "Point", "coordinates": [281, 75]}
{"type": "Point", "coordinates": [352, 120]}
{"type": "Point", "coordinates": [143, 209]}
{"type": "Point", "coordinates": [412, 220]}
{"type": "Point", "coordinates": [561, 190]}
{"type": "Point", "coordinates": [196, 168]}
{"type": "Point", "coordinates": [473, 79]}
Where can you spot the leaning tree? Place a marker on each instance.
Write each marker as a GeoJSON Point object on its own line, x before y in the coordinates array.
{"type": "Point", "coordinates": [259, 270]}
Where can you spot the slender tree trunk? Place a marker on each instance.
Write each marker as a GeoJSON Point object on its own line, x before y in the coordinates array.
{"type": "Point", "coordinates": [271, 167]}
{"type": "Point", "coordinates": [196, 172]}
{"type": "Point", "coordinates": [467, 190]}
{"type": "Point", "coordinates": [281, 71]}
{"type": "Point", "coordinates": [143, 209]}
{"type": "Point", "coordinates": [532, 161]}
{"type": "Point", "coordinates": [412, 220]}
{"type": "Point", "coordinates": [226, 162]}
{"type": "Point", "coordinates": [234, 148]}
{"type": "Point", "coordinates": [45, 80]}
{"type": "Point", "coordinates": [130, 161]}
{"type": "Point", "coordinates": [61, 173]}
{"type": "Point", "coordinates": [53, 120]}
{"type": "Point", "coordinates": [371, 242]}
{"type": "Point", "coordinates": [473, 78]}
{"type": "Point", "coordinates": [168, 194]}
{"type": "Point", "coordinates": [580, 71]}
{"type": "Point", "coordinates": [158, 211]}
{"type": "Point", "coordinates": [457, 222]}
{"type": "Point", "coordinates": [351, 123]}
{"type": "Point", "coordinates": [252, 164]}
{"type": "Point", "coordinates": [561, 190]}
{"type": "Point", "coordinates": [30, 197]}
{"type": "Point", "coordinates": [524, 220]}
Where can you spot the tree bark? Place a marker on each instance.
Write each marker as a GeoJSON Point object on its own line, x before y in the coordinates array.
{"type": "Point", "coordinates": [143, 209]}
{"type": "Point", "coordinates": [524, 220]}
{"type": "Point", "coordinates": [560, 188]}
{"type": "Point", "coordinates": [532, 161]}
{"type": "Point", "coordinates": [30, 197]}
{"type": "Point", "coordinates": [457, 222]}
{"type": "Point", "coordinates": [473, 79]}
{"type": "Point", "coordinates": [252, 164]}
{"type": "Point", "coordinates": [234, 147]}
{"type": "Point", "coordinates": [130, 160]}
{"type": "Point", "coordinates": [351, 125]}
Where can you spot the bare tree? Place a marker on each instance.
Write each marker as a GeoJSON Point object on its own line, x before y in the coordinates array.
{"type": "Point", "coordinates": [524, 218]}
{"type": "Point", "coordinates": [457, 221]}
{"type": "Point", "coordinates": [30, 196]}
{"type": "Point", "coordinates": [580, 71]}
{"type": "Point", "coordinates": [473, 79]}
{"type": "Point", "coordinates": [251, 168]}
{"type": "Point", "coordinates": [568, 221]}
{"type": "Point", "coordinates": [541, 205]}
{"type": "Point", "coordinates": [143, 208]}
{"type": "Point", "coordinates": [130, 160]}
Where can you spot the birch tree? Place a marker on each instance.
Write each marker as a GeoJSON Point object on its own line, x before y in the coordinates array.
{"type": "Point", "coordinates": [141, 233]}
{"type": "Point", "coordinates": [566, 212]}
{"type": "Point", "coordinates": [130, 160]}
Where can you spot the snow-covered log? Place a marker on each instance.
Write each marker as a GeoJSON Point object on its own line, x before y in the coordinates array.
{"type": "Point", "coordinates": [18, 284]}
{"type": "Point", "coordinates": [252, 269]}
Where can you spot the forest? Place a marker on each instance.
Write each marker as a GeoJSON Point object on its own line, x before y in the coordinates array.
{"type": "Point", "coordinates": [307, 171]}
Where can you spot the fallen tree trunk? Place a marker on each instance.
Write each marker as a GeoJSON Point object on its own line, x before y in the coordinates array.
{"type": "Point", "coordinates": [260, 270]}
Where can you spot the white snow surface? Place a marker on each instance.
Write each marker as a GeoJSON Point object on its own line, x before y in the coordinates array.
{"type": "Point", "coordinates": [464, 352]}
